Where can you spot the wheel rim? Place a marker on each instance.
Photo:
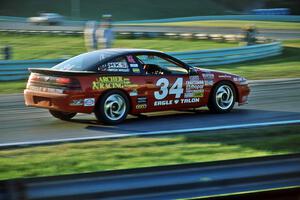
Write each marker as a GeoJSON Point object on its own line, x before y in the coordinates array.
{"type": "Point", "coordinates": [224, 97]}
{"type": "Point", "coordinates": [114, 107]}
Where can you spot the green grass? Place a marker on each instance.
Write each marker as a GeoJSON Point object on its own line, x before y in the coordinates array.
{"type": "Point", "coordinates": [12, 87]}
{"type": "Point", "coordinates": [26, 47]}
{"type": "Point", "coordinates": [232, 24]}
{"type": "Point", "coordinates": [286, 65]}
{"type": "Point", "coordinates": [149, 151]}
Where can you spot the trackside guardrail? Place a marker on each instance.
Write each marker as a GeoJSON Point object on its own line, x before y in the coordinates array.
{"type": "Point", "coordinates": [229, 55]}
{"type": "Point", "coordinates": [281, 18]}
{"type": "Point", "coordinates": [17, 70]}
{"type": "Point", "coordinates": [254, 17]}
{"type": "Point", "coordinates": [163, 182]}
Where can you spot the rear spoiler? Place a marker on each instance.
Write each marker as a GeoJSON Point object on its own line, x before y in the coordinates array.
{"type": "Point", "coordinates": [48, 71]}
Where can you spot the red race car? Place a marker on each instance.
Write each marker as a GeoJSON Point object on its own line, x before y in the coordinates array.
{"type": "Point", "coordinates": [113, 83]}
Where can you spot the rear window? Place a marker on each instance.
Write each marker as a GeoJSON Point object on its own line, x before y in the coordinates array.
{"type": "Point", "coordinates": [83, 62]}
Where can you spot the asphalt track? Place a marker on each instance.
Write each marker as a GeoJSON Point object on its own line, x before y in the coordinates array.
{"type": "Point", "coordinates": [269, 102]}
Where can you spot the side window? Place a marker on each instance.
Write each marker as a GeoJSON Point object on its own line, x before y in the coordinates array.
{"type": "Point", "coordinates": [156, 65]}
{"type": "Point", "coordinates": [133, 64]}
{"type": "Point", "coordinates": [119, 65]}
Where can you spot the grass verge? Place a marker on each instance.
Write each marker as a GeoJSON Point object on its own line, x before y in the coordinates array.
{"type": "Point", "coordinates": [9, 87]}
{"type": "Point", "coordinates": [26, 47]}
{"type": "Point", "coordinates": [286, 65]}
{"type": "Point", "coordinates": [149, 151]}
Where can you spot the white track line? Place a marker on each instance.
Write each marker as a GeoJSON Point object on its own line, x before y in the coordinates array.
{"type": "Point", "coordinates": [214, 128]}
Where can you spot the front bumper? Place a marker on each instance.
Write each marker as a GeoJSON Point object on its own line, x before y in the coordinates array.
{"type": "Point", "coordinates": [243, 91]}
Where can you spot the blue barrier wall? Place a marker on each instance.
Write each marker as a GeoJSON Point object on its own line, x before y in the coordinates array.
{"type": "Point", "coordinates": [17, 70]}
{"type": "Point", "coordinates": [280, 18]}
{"type": "Point", "coordinates": [255, 17]}
{"type": "Point", "coordinates": [271, 11]}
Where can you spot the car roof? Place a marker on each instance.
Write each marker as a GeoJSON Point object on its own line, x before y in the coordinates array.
{"type": "Point", "coordinates": [123, 51]}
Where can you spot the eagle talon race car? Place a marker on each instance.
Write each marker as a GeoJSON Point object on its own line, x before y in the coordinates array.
{"type": "Point", "coordinates": [113, 83]}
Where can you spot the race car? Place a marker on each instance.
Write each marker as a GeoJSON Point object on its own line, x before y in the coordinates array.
{"type": "Point", "coordinates": [113, 83]}
{"type": "Point", "coordinates": [46, 18]}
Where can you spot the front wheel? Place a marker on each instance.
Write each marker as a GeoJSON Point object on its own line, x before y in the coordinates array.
{"type": "Point", "coordinates": [62, 115]}
{"type": "Point", "coordinates": [112, 108]}
{"type": "Point", "coordinates": [222, 98]}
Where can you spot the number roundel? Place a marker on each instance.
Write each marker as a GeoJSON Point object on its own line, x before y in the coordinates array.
{"type": "Point", "coordinates": [163, 83]}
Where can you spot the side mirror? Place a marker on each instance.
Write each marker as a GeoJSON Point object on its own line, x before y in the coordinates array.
{"type": "Point", "coordinates": [192, 71]}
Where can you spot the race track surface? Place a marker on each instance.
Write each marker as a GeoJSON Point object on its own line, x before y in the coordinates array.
{"type": "Point", "coordinates": [270, 101]}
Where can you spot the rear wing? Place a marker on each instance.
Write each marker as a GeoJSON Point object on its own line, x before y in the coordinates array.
{"type": "Point", "coordinates": [60, 72]}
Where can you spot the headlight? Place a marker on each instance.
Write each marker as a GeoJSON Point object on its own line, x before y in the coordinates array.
{"type": "Point", "coordinates": [241, 80]}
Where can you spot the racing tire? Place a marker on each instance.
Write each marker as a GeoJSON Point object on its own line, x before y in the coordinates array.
{"type": "Point", "coordinates": [222, 98]}
{"type": "Point", "coordinates": [62, 115]}
{"type": "Point", "coordinates": [112, 108]}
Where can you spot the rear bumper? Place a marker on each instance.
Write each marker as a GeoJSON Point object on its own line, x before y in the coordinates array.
{"type": "Point", "coordinates": [56, 101]}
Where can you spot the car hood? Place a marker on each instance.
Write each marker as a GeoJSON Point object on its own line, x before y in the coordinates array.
{"type": "Point", "coordinates": [220, 75]}
{"type": "Point", "coordinates": [216, 72]}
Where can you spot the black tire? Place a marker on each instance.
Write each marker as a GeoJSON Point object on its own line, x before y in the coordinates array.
{"type": "Point", "coordinates": [117, 104]}
{"type": "Point", "coordinates": [215, 104]}
{"type": "Point", "coordinates": [62, 115]}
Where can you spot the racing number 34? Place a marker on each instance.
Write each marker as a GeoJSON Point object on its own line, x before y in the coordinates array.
{"type": "Point", "coordinates": [164, 83]}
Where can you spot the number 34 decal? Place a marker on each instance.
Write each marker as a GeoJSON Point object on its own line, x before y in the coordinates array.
{"type": "Point", "coordinates": [164, 83]}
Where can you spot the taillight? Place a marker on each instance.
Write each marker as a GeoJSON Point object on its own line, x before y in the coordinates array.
{"type": "Point", "coordinates": [70, 83]}
{"type": "Point", "coordinates": [63, 81]}
{"type": "Point", "coordinates": [46, 81]}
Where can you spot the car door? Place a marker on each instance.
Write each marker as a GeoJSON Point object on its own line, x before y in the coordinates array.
{"type": "Point", "coordinates": [169, 83]}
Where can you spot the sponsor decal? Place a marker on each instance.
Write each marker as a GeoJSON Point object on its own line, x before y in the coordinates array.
{"type": "Point", "coordinates": [107, 82]}
{"type": "Point", "coordinates": [133, 93]}
{"type": "Point", "coordinates": [134, 65]}
{"type": "Point", "coordinates": [163, 103]}
{"type": "Point", "coordinates": [141, 100]}
{"type": "Point", "coordinates": [117, 67]}
{"type": "Point", "coordinates": [89, 102]}
{"type": "Point", "coordinates": [224, 76]}
{"type": "Point", "coordinates": [130, 59]}
{"type": "Point", "coordinates": [199, 93]}
{"type": "Point", "coordinates": [194, 87]}
{"type": "Point", "coordinates": [195, 93]}
{"type": "Point", "coordinates": [193, 100]}
{"type": "Point", "coordinates": [76, 102]}
{"type": "Point", "coordinates": [208, 82]}
{"type": "Point", "coordinates": [136, 70]}
{"type": "Point", "coordinates": [176, 101]}
{"type": "Point", "coordinates": [141, 106]}
{"type": "Point", "coordinates": [208, 76]}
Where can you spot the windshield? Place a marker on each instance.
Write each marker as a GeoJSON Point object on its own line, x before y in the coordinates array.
{"type": "Point", "coordinates": [83, 62]}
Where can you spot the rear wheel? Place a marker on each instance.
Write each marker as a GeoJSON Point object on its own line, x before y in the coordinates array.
{"type": "Point", "coordinates": [112, 107]}
{"type": "Point", "coordinates": [222, 98]}
{"type": "Point", "coordinates": [62, 115]}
